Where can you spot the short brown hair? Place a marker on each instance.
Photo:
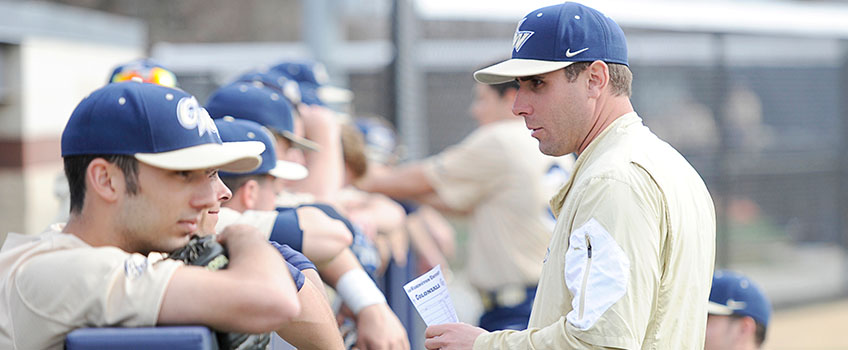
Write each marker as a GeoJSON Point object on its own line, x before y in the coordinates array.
{"type": "Point", "coordinates": [353, 150]}
{"type": "Point", "coordinates": [234, 183]}
{"type": "Point", "coordinates": [621, 78]}
{"type": "Point", "coordinates": [502, 88]}
{"type": "Point", "coordinates": [76, 166]}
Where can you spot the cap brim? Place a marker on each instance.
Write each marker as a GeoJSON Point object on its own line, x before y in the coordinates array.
{"type": "Point", "coordinates": [510, 69]}
{"type": "Point", "coordinates": [718, 309]}
{"type": "Point", "coordinates": [237, 157]}
{"type": "Point", "coordinates": [289, 170]}
{"type": "Point", "coordinates": [301, 142]}
{"type": "Point", "coordinates": [332, 94]}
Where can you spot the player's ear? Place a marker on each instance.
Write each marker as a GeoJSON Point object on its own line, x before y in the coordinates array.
{"type": "Point", "coordinates": [249, 194]}
{"type": "Point", "coordinates": [748, 327]}
{"type": "Point", "coordinates": [598, 78]}
{"type": "Point", "coordinates": [104, 180]}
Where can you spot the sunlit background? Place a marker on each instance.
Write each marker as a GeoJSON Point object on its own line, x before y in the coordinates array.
{"type": "Point", "coordinates": [753, 93]}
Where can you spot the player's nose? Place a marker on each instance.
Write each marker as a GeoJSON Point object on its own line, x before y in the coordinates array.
{"type": "Point", "coordinates": [222, 192]}
{"type": "Point", "coordinates": [520, 106]}
{"type": "Point", "coordinates": [209, 194]}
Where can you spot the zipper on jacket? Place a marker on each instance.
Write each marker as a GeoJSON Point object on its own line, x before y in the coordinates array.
{"type": "Point", "coordinates": [585, 276]}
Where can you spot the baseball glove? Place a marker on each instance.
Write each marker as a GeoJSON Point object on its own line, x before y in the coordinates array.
{"type": "Point", "coordinates": [207, 252]}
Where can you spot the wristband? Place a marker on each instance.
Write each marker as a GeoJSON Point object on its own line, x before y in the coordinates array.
{"type": "Point", "coordinates": [358, 290]}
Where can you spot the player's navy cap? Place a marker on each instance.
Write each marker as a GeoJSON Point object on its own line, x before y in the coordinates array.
{"type": "Point", "coordinates": [236, 130]}
{"type": "Point", "coordinates": [160, 126]}
{"type": "Point", "coordinates": [310, 94]}
{"type": "Point", "coordinates": [146, 69]}
{"type": "Point", "coordinates": [554, 37]}
{"type": "Point", "coordinates": [243, 100]}
{"type": "Point", "coordinates": [313, 80]}
{"type": "Point", "coordinates": [303, 71]}
{"type": "Point", "coordinates": [275, 81]}
{"type": "Point", "coordinates": [380, 140]}
{"type": "Point", "coordinates": [734, 294]}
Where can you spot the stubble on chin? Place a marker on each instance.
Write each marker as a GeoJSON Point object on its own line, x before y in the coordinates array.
{"type": "Point", "coordinates": [549, 150]}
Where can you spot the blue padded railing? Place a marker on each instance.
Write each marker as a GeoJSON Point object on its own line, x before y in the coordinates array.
{"type": "Point", "coordinates": [143, 338]}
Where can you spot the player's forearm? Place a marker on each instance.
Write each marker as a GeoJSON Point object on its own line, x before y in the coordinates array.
{"type": "Point", "coordinates": [249, 306]}
{"type": "Point", "coordinates": [312, 276]}
{"type": "Point", "coordinates": [325, 174]}
{"type": "Point", "coordinates": [315, 327]}
{"type": "Point", "coordinates": [424, 244]}
{"type": "Point", "coordinates": [406, 181]}
{"type": "Point", "coordinates": [439, 228]}
{"type": "Point", "coordinates": [341, 264]}
{"type": "Point", "coordinates": [378, 212]}
{"type": "Point", "coordinates": [436, 202]}
{"type": "Point", "coordinates": [324, 238]}
{"type": "Point", "coordinates": [258, 299]}
{"type": "Point", "coordinates": [353, 285]}
{"type": "Point", "coordinates": [326, 168]}
{"type": "Point", "coordinates": [257, 267]}
{"type": "Point", "coordinates": [387, 214]}
{"type": "Point", "coordinates": [555, 336]}
{"type": "Point", "coordinates": [256, 260]}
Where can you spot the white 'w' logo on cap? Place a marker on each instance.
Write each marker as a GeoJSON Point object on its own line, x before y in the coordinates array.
{"type": "Point", "coordinates": [520, 36]}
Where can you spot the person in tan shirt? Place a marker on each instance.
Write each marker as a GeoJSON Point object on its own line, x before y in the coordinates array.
{"type": "Point", "coordinates": [142, 161]}
{"type": "Point", "coordinates": [497, 176]}
{"type": "Point", "coordinates": [632, 254]}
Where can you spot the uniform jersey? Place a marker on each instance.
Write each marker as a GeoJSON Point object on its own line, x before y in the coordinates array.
{"type": "Point", "coordinates": [631, 259]}
{"type": "Point", "coordinates": [498, 174]}
{"type": "Point", "coordinates": [54, 282]}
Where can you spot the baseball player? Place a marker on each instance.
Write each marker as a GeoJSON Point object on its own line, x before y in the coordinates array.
{"type": "Point", "coordinates": [254, 203]}
{"type": "Point", "coordinates": [498, 176]}
{"type": "Point", "coordinates": [382, 219]}
{"type": "Point", "coordinates": [739, 313]}
{"type": "Point", "coordinates": [143, 70]}
{"type": "Point", "coordinates": [141, 160]}
{"type": "Point", "coordinates": [315, 327]}
{"type": "Point", "coordinates": [631, 257]}
{"type": "Point", "coordinates": [320, 124]}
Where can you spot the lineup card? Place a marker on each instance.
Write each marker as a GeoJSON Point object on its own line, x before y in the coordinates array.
{"type": "Point", "coordinates": [429, 294]}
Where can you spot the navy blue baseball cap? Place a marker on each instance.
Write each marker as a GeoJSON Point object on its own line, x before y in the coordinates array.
{"type": "Point", "coordinates": [314, 82]}
{"type": "Point", "coordinates": [309, 94]}
{"type": "Point", "coordinates": [554, 37]}
{"type": "Point", "coordinates": [160, 126]}
{"type": "Point", "coordinates": [237, 130]}
{"type": "Point", "coordinates": [275, 81]}
{"type": "Point", "coordinates": [735, 294]}
{"type": "Point", "coordinates": [380, 140]}
{"type": "Point", "coordinates": [246, 100]}
{"type": "Point", "coordinates": [303, 71]}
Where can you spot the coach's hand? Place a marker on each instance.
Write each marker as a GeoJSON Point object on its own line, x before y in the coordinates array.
{"type": "Point", "coordinates": [379, 328]}
{"type": "Point", "coordinates": [451, 336]}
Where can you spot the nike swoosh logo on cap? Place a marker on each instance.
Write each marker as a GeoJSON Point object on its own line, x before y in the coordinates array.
{"type": "Point", "coordinates": [570, 54]}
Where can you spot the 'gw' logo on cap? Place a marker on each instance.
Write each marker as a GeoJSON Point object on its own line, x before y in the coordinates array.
{"type": "Point", "coordinates": [191, 115]}
{"type": "Point", "coordinates": [520, 36]}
